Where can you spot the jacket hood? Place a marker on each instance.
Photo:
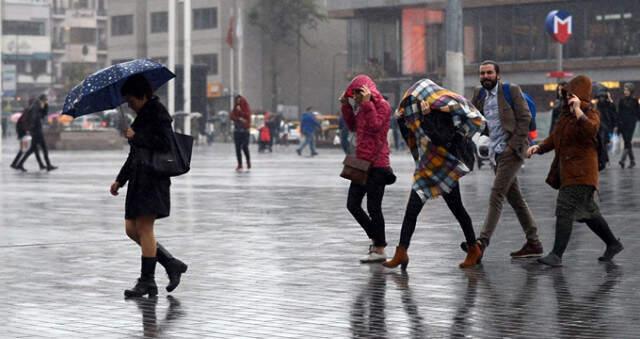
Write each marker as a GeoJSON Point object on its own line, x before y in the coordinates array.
{"type": "Point", "coordinates": [363, 80]}
{"type": "Point", "coordinates": [581, 87]}
{"type": "Point", "coordinates": [244, 104]}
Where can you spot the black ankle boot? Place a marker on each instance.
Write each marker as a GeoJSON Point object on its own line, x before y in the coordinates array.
{"type": "Point", "coordinates": [173, 266]}
{"type": "Point", "coordinates": [146, 283]}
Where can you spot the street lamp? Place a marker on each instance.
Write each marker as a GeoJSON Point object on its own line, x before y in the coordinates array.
{"type": "Point", "coordinates": [333, 79]}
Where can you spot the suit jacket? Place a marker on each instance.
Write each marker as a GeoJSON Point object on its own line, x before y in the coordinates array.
{"type": "Point", "coordinates": [515, 121]}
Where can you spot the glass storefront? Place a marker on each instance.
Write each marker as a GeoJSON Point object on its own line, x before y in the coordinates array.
{"type": "Point", "coordinates": [516, 33]}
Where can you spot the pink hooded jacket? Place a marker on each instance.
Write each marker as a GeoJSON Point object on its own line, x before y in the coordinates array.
{"type": "Point", "coordinates": [370, 122]}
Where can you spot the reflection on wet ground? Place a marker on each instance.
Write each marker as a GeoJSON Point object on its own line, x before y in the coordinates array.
{"type": "Point", "coordinates": [274, 254]}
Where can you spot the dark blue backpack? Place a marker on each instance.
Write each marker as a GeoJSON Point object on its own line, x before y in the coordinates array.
{"type": "Point", "coordinates": [506, 89]}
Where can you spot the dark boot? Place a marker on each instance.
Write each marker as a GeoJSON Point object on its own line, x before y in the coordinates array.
{"type": "Point", "coordinates": [146, 283]}
{"type": "Point", "coordinates": [173, 266]}
{"type": "Point", "coordinates": [632, 159]}
{"type": "Point", "coordinates": [14, 163]}
{"type": "Point", "coordinates": [624, 157]}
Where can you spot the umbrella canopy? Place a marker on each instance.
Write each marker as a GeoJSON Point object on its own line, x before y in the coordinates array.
{"type": "Point", "coordinates": [101, 90]}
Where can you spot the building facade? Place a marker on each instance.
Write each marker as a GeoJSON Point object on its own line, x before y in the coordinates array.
{"type": "Point", "coordinates": [79, 40]}
{"type": "Point", "coordinates": [26, 50]}
{"type": "Point", "coordinates": [402, 41]}
{"type": "Point", "coordinates": [140, 30]}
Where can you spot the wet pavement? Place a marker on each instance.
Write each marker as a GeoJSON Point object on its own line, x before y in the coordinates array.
{"type": "Point", "coordinates": [274, 254]}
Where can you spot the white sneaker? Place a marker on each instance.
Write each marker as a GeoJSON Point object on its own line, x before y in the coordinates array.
{"type": "Point", "coordinates": [373, 256]}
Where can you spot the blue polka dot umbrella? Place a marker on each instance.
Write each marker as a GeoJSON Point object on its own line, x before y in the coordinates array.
{"type": "Point", "coordinates": [101, 90]}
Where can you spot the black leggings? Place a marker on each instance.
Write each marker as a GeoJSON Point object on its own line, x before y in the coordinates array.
{"type": "Point", "coordinates": [241, 139]}
{"type": "Point", "coordinates": [454, 202]}
{"type": "Point", "coordinates": [373, 224]}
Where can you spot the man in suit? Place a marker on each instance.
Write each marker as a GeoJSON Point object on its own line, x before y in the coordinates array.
{"type": "Point", "coordinates": [508, 128]}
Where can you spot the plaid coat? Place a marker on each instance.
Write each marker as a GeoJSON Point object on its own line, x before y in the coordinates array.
{"type": "Point", "coordinates": [437, 170]}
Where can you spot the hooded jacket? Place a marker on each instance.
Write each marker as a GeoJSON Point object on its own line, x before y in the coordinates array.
{"type": "Point", "coordinates": [370, 122]}
{"type": "Point", "coordinates": [574, 141]}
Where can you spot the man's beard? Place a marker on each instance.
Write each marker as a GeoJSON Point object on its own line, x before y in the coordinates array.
{"type": "Point", "coordinates": [488, 84]}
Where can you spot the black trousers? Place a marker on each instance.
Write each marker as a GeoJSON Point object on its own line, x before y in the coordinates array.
{"type": "Point", "coordinates": [627, 138]}
{"type": "Point", "coordinates": [373, 223]}
{"type": "Point", "coordinates": [37, 143]}
{"type": "Point", "coordinates": [241, 140]}
{"type": "Point", "coordinates": [454, 202]}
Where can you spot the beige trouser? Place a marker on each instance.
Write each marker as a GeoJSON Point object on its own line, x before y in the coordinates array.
{"type": "Point", "coordinates": [506, 185]}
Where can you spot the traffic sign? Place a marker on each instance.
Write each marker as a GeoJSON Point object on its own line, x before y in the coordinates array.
{"type": "Point", "coordinates": [559, 25]}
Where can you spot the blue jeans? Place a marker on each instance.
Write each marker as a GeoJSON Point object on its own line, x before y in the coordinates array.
{"type": "Point", "coordinates": [309, 139]}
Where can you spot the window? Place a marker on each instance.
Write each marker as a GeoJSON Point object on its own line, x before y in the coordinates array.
{"type": "Point", "coordinates": [211, 60]}
{"type": "Point", "coordinates": [81, 4]}
{"type": "Point", "coordinates": [159, 22]}
{"type": "Point", "coordinates": [205, 18]}
{"type": "Point", "coordinates": [82, 36]}
{"type": "Point", "coordinates": [121, 25]}
{"type": "Point", "coordinates": [14, 27]}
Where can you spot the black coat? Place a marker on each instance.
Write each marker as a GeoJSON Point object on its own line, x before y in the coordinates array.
{"type": "Point", "coordinates": [608, 115]}
{"type": "Point", "coordinates": [629, 113]}
{"type": "Point", "coordinates": [147, 194]}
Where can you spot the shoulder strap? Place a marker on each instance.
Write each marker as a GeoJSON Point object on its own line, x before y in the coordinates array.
{"type": "Point", "coordinates": [506, 88]}
{"type": "Point", "coordinates": [481, 94]}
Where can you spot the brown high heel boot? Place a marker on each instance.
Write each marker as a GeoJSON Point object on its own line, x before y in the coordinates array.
{"type": "Point", "coordinates": [400, 258]}
{"type": "Point", "coordinates": [474, 254]}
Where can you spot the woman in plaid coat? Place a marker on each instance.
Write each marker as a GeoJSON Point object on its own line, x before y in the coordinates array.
{"type": "Point", "coordinates": [436, 124]}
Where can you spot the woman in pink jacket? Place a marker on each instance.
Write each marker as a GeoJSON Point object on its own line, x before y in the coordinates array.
{"type": "Point", "coordinates": [368, 114]}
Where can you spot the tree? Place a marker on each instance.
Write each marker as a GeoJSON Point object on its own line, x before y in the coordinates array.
{"type": "Point", "coordinates": [74, 73]}
{"type": "Point", "coordinates": [284, 22]}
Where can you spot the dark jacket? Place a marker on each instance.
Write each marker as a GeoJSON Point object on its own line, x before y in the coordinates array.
{"type": "Point", "coordinates": [147, 194]}
{"type": "Point", "coordinates": [33, 121]}
{"type": "Point", "coordinates": [628, 114]}
{"type": "Point", "coordinates": [608, 115]}
{"type": "Point", "coordinates": [515, 121]}
{"type": "Point", "coordinates": [576, 159]}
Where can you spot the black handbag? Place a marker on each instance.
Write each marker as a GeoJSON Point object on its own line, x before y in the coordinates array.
{"type": "Point", "coordinates": [174, 162]}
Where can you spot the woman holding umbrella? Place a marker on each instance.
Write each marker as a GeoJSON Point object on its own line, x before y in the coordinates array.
{"type": "Point", "coordinates": [148, 196]}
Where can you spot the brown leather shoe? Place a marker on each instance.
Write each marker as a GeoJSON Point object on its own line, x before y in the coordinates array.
{"type": "Point", "coordinates": [400, 258]}
{"type": "Point", "coordinates": [529, 250]}
{"type": "Point", "coordinates": [474, 254]}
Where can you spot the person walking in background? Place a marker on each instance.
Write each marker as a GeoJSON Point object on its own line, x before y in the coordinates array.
{"type": "Point", "coordinates": [345, 142]}
{"type": "Point", "coordinates": [508, 132]}
{"type": "Point", "coordinates": [628, 114]}
{"type": "Point", "coordinates": [36, 113]}
{"type": "Point", "coordinates": [308, 126]}
{"type": "Point", "coordinates": [574, 172]}
{"type": "Point", "coordinates": [148, 196]}
{"type": "Point", "coordinates": [368, 116]}
{"type": "Point", "coordinates": [561, 92]}
{"type": "Point", "coordinates": [608, 118]}
{"type": "Point", "coordinates": [241, 117]}
{"type": "Point", "coordinates": [437, 125]}
{"type": "Point", "coordinates": [25, 140]}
